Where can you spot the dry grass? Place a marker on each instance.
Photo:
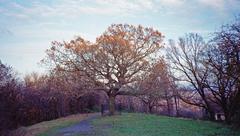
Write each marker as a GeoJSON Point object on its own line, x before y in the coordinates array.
{"type": "Point", "coordinates": [43, 127]}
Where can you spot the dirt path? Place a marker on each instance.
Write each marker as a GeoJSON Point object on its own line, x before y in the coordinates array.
{"type": "Point", "coordinates": [82, 128]}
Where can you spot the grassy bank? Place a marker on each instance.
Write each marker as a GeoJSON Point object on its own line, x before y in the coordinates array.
{"type": "Point", "coordinates": [150, 125]}
{"type": "Point", "coordinates": [133, 124]}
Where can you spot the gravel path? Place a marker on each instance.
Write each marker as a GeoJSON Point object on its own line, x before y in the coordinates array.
{"type": "Point", "coordinates": [83, 128]}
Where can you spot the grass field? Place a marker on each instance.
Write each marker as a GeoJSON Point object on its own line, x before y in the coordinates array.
{"type": "Point", "coordinates": [150, 125]}
{"type": "Point", "coordinates": [132, 124]}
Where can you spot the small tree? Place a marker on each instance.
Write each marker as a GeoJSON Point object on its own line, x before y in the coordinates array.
{"type": "Point", "coordinates": [155, 86]}
{"type": "Point", "coordinates": [117, 59]}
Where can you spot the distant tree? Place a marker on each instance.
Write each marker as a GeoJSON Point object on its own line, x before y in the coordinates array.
{"type": "Point", "coordinates": [8, 100]}
{"type": "Point", "coordinates": [68, 82]}
{"type": "Point", "coordinates": [35, 81]}
{"type": "Point", "coordinates": [6, 75]}
{"type": "Point", "coordinates": [155, 86]}
{"type": "Point", "coordinates": [117, 59]}
{"type": "Point", "coordinates": [54, 81]}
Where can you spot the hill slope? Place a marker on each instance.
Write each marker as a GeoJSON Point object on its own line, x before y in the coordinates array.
{"type": "Point", "coordinates": [151, 125]}
{"type": "Point", "coordinates": [127, 124]}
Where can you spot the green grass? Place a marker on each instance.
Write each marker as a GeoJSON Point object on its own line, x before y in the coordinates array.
{"type": "Point", "coordinates": [132, 124]}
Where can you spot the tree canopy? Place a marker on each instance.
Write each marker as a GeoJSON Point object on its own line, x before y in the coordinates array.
{"type": "Point", "coordinates": [118, 58]}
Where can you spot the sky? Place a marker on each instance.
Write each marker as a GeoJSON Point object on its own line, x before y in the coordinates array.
{"type": "Point", "coordinates": [27, 27]}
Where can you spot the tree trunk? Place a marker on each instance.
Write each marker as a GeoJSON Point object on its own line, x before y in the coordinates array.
{"type": "Point", "coordinates": [209, 109]}
{"type": "Point", "coordinates": [211, 114]}
{"type": "Point", "coordinates": [150, 108]}
{"type": "Point", "coordinates": [168, 107]}
{"type": "Point", "coordinates": [176, 106]}
{"type": "Point", "coordinates": [111, 105]}
{"type": "Point", "coordinates": [227, 118]}
{"type": "Point", "coordinates": [227, 115]}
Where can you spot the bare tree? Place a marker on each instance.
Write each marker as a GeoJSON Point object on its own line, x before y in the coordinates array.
{"type": "Point", "coordinates": [224, 64]}
{"type": "Point", "coordinates": [186, 59]}
{"type": "Point", "coordinates": [117, 59]}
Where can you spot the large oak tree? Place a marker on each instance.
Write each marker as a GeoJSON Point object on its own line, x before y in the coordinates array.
{"type": "Point", "coordinates": [117, 59]}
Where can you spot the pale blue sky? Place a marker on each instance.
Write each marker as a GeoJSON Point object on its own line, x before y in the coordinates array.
{"type": "Point", "coordinates": [27, 27]}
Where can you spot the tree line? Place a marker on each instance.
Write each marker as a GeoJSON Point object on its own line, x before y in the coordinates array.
{"type": "Point", "coordinates": [38, 98]}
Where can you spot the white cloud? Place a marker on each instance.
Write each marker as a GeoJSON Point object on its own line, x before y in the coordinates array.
{"type": "Point", "coordinates": [216, 4]}
{"type": "Point", "coordinates": [74, 8]}
{"type": "Point", "coordinates": [172, 3]}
